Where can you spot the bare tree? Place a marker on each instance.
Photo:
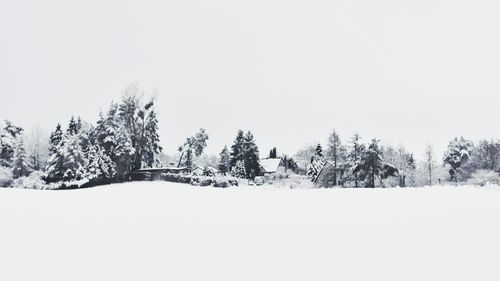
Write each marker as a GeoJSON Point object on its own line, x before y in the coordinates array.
{"type": "Point", "coordinates": [430, 163]}
{"type": "Point", "coordinates": [37, 146]}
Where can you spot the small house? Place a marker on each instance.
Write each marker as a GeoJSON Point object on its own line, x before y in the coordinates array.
{"type": "Point", "coordinates": [269, 166]}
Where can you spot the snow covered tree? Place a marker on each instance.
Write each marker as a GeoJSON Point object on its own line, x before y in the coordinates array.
{"type": "Point", "coordinates": [319, 151]}
{"type": "Point", "coordinates": [237, 148]}
{"type": "Point", "coordinates": [430, 163]}
{"type": "Point", "coordinates": [67, 163]}
{"type": "Point", "coordinates": [336, 152]}
{"type": "Point", "coordinates": [112, 136]}
{"type": "Point", "coordinates": [8, 140]}
{"type": "Point", "coordinates": [193, 146]}
{"type": "Point", "coordinates": [21, 166]}
{"type": "Point", "coordinates": [56, 138]}
{"type": "Point", "coordinates": [99, 168]}
{"type": "Point", "coordinates": [73, 126]}
{"type": "Point", "coordinates": [224, 162]}
{"type": "Point", "coordinates": [141, 123]}
{"type": "Point", "coordinates": [406, 167]}
{"type": "Point", "coordinates": [371, 165]}
{"type": "Point", "coordinates": [239, 170]}
{"type": "Point", "coordinates": [251, 155]}
{"type": "Point", "coordinates": [456, 156]}
{"type": "Point", "coordinates": [354, 157]}
{"type": "Point", "coordinates": [37, 147]}
{"type": "Point", "coordinates": [486, 156]}
{"type": "Point", "coordinates": [291, 163]}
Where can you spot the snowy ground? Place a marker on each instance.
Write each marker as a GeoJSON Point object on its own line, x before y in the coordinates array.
{"type": "Point", "coordinates": [165, 231]}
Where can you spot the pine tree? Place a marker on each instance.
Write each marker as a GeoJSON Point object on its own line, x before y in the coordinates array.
{"type": "Point", "coordinates": [74, 159]}
{"type": "Point", "coordinates": [21, 166]}
{"type": "Point", "coordinates": [239, 170]}
{"type": "Point", "coordinates": [224, 162]}
{"type": "Point", "coordinates": [98, 166]}
{"type": "Point", "coordinates": [112, 136]}
{"type": "Point", "coordinates": [8, 140]}
{"type": "Point", "coordinates": [237, 148]}
{"type": "Point", "coordinates": [273, 153]}
{"type": "Point", "coordinates": [371, 164]}
{"type": "Point", "coordinates": [354, 157]}
{"type": "Point", "coordinates": [67, 163]}
{"type": "Point", "coordinates": [56, 138]}
{"type": "Point", "coordinates": [319, 151]}
{"type": "Point", "coordinates": [73, 127]}
{"type": "Point", "coordinates": [456, 156]}
{"type": "Point", "coordinates": [251, 155]}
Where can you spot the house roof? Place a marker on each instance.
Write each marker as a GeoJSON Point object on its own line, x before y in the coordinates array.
{"type": "Point", "coordinates": [270, 165]}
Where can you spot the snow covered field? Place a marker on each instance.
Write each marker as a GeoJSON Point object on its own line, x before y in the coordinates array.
{"type": "Point", "coordinates": [166, 231]}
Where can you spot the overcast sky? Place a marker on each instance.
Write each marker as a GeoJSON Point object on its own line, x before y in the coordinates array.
{"type": "Point", "coordinates": [408, 72]}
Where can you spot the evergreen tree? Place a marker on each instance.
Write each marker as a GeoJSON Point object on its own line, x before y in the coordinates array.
{"type": "Point", "coordinates": [56, 138]}
{"type": "Point", "coordinates": [67, 163]}
{"type": "Point", "coordinates": [237, 148]}
{"type": "Point", "coordinates": [21, 166]}
{"type": "Point", "coordinates": [486, 156]}
{"type": "Point", "coordinates": [224, 162]}
{"type": "Point", "coordinates": [456, 156]}
{"type": "Point", "coordinates": [239, 170]}
{"type": "Point", "coordinates": [8, 140]}
{"type": "Point", "coordinates": [112, 136]}
{"type": "Point", "coordinates": [99, 168]}
{"type": "Point", "coordinates": [354, 157]}
{"type": "Point", "coordinates": [291, 164]}
{"type": "Point", "coordinates": [371, 164]}
{"type": "Point", "coordinates": [273, 153]}
{"type": "Point", "coordinates": [74, 159]}
{"type": "Point", "coordinates": [73, 126]}
{"type": "Point", "coordinates": [141, 123]}
{"type": "Point", "coordinates": [319, 151]}
{"type": "Point", "coordinates": [251, 155]}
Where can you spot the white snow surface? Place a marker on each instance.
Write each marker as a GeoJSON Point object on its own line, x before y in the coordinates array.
{"type": "Point", "coordinates": [167, 231]}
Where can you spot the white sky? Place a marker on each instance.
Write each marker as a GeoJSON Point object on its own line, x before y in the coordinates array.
{"type": "Point", "coordinates": [407, 72]}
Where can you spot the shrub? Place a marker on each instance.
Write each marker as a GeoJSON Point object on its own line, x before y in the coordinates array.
{"type": "Point", "coordinates": [484, 177]}
{"type": "Point", "coordinates": [6, 177]}
{"type": "Point", "coordinates": [33, 181]}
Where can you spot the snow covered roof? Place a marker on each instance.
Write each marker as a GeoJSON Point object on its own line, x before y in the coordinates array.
{"type": "Point", "coordinates": [270, 165]}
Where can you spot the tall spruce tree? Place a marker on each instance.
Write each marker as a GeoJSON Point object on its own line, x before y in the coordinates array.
{"type": "Point", "coordinates": [371, 165]}
{"type": "Point", "coordinates": [251, 155]}
{"type": "Point", "coordinates": [56, 138]}
{"type": "Point", "coordinates": [237, 148]}
{"type": "Point", "coordinates": [73, 126]}
{"type": "Point", "coordinates": [354, 157]}
{"type": "Point", "coordinates": [224, 161]}
{"type": "Point", "coordinates": [22, 166]}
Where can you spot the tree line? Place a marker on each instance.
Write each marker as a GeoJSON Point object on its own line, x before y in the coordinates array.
{"type": "Point", "coordinates": [372, 164]}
